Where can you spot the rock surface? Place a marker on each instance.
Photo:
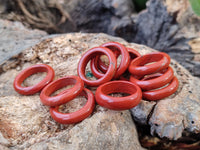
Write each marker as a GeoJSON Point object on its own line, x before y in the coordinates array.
{"type": "Point", "coordinates": [15, 38]}
{"type": "Point", "coordinates": [25, 123]}
{"type": "Point", "coordinates": [167, 118]}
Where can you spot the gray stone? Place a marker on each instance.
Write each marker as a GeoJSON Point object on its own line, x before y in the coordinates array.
{"type": "Point", "coordinates": [26, 123]}
{"type": "Point", "coordinates": [167, 118]}
{"type": "Point", "coordinates": [15, 38]}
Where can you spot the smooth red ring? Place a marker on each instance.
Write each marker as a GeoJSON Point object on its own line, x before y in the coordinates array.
{"type": "Point", "coordinates": [125, 60]}
{"type": "Point", "coordinates": [163, 92]}
{"type": "Point", "coordinates": [91, 54]}
{"type": "Point", "coordinates": [64, 96]}
{"type": "Point", "coordinates": [30, 71]}
{"type": "Point", "coordinates": [97, 64]}
{"type": "Point", "coordinates": [161, 61]}
{"type": "Point", "coordinates": [118, 103]}
{"type": "Point", "coordinates": [133, 53]}
{"type": "Point", "coordinates": [77, 116]}
{"type": "Point", "coordinates": [102, 67]}
{"type": "Point", "coordinates": [150, 84]}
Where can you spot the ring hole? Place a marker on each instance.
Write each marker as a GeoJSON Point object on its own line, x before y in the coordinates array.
{"type": "Point", "coordinates": [119, 88]}
{"type": "Point", "coordinates": [132, 55]}
{"type": "Point", "coordinates": [61, 90]}
{"type": "Point", "coordinates": [34, 79]}
{"type": "Point", "coordinates": [150, 59]}
{"type": "Point", "coordinates": [119, 94]}
{"type": "Point", "coordinates": [149, 63]}
{"type": "Point", "coordinates": [73, 105]}
{"type": "Point", "coordinates": [151, 76]}
{"type": "Point", "coordinates": [105, 60]}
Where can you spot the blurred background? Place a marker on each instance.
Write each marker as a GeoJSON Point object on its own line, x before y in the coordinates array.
{"type": "Point", "coordinates": [171, 26]}
{"type": "Point", "coordinates": [166, 25]}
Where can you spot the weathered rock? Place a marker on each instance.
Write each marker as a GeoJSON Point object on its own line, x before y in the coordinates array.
{"type": "Point", "coordinates": [168, 117]}
{"type": "Point", "coordinates": [25, 122]}
{"type": "Point", "coordinates": [171, 116]}
{"type": "Point", "coordinates": [15, 38]}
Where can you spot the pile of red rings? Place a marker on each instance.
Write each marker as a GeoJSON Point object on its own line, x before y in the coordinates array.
{"type": "Point", "coordinates": [151, 78]}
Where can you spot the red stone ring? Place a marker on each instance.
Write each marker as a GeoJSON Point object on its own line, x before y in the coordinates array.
{"type": "Point", "coordinates": [97, 64]}
{"type": "Point", "coordinates": [30, 71]}
{"type": "Point", "coordinates": [118, 103]}
{"type": "Point", "coordinates": [64, 96]}
{"type": "Point", "coordinates": [117, 49]}
{"type": "Point", "coordinates": [75, 117]}
{"type": "Point", "coordinates": [133, 53]}
{"type": "Point", "coordinates": [154, 82]}
{"type": "Point", "coordinates": [91, 54]}
{"type": "Point", "coordinates": [161, 93]}
{"type": "Point", "coordinates": [140, 66]}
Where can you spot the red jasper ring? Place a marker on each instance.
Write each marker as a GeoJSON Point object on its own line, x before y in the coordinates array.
{"type": "Point", "coordinates": [64, 96]}
{"type": "Point", "coordinates": [117, 49]}
{"type": "Point", "coordinates": [97, 64]}
{"type": "Point", "coordinates": [153, 82]}
{"type": "Point", "coordinates": [91, 54]}
{"type": "Point", "coordinates": [118, 103]}
{"type": "Point", "coordinates": [75, 117]}
{"type": "Point", "coordinates": [133, 53]}
{"type": "Point", "coordinates": [30, 71]}
{"type": "Point", "coordinates": [163, 92]}
{"type": "Point", "coordinates": [159, 62]}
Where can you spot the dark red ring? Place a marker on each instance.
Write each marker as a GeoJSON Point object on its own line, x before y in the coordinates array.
{"type": "Point", "coordinates": [96, 64]}
{"type": "Point", "coordinates": [161, 61]}
{"type": "Point", "coordinates": [133, 53]}
{"type": "Point", "coordinates": [64, 96]}
{"type": "Point", "coordinates": [91, 54]}
{"type": "Point", "coordinates": [154, 83]}
{"type": "Point", "coordinates": [101, 65]}
{"type": "Point", "coordinates": [163, 92]}
{"type": "Point", "coordinates": [118, 103]}
{"type": "Point", "coordinates": [30, 71]}
{"type": "Point", "coordinates": [125, 60]}
{"type": "Point", "coordinates": [77, 116]}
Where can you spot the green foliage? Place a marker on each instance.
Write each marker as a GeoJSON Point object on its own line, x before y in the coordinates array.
{"type": "Point", "coordinates": [195, 6]}
{"type": "Point", "coordinates": [139, 4]}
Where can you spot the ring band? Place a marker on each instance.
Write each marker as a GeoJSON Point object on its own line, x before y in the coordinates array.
{"type": "Point", "coordinates": [91, 54]}
{"type": "Point", "coordinates": [160, 61]}
{"type": "Point", "coordinates": [118, 103]}
{"type": "Point", "coordinates": [117, 49]}
{"type": "Point", "coordinates": [77, 116]}
{"type": "Point", "coordinates": [163, 92]}
{"type": "Point", "coordinates": [30, 71]}
{"type": "Point", "coordinates": [64, 96]}
{"type": "Point", "coordinates": [151, 82]}
{"type": "Point", "coordinates": [97, 64]}
{"type": "Point", "coordinates": [101, 65]}
{"type": "Point", "coordinates": [133, 53]}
